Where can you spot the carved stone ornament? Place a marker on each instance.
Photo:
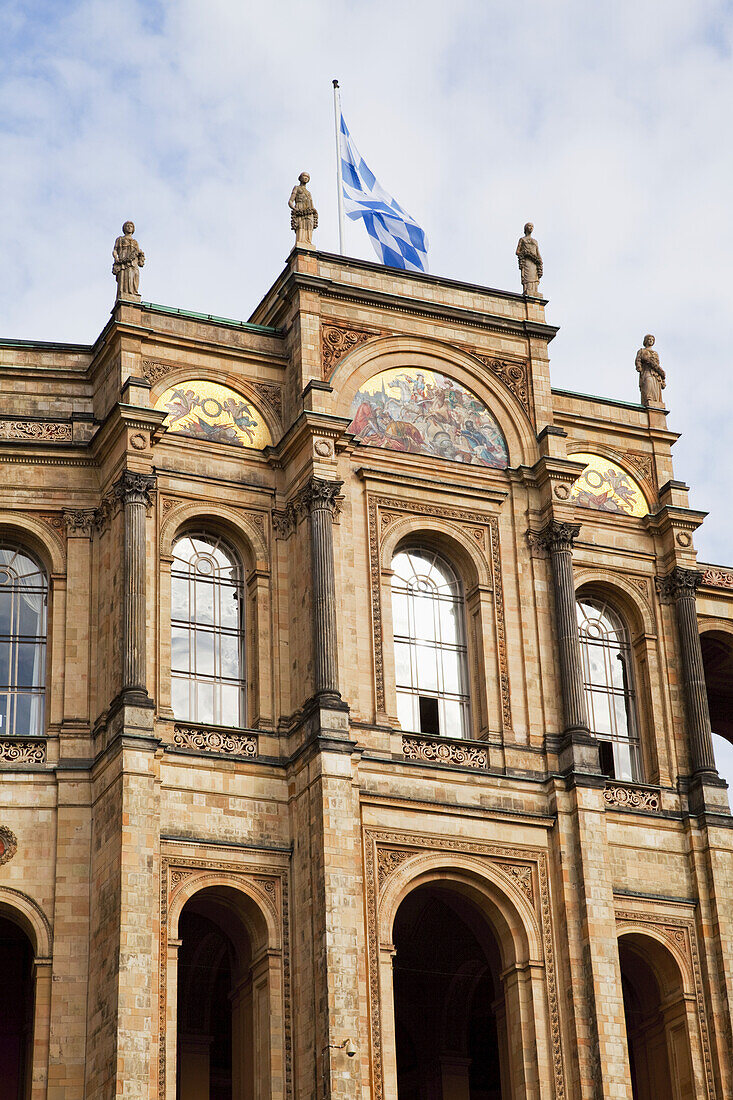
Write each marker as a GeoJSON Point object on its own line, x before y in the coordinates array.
{"type": "Point", "coordinates": [80, 521]}
{"type": "Point", "coordinates": [303, 214]}
{"type": "Point", "coordinates": [272, 395]}
{"type": "Point", "coordinates": [561, 491]}
{"type": "Point", "coordinates": [444, 752]}
{"type": "Point", "coordinates": [42, 431]}
{"type": "Point", "coordinates": [642, 463]}
{"type": "Point", "coordinates": [679, 583]}
{"type": "Point", "coordinates": [556, 536]}
{"type": "Point", "coordinates": [154, 370]}
{"type": "Point", "coordinates": [8, 844]}
{"type": "Point", "coordinates": [133, 488]}
{"type": "Point", "coordinates": [316, 493]}
{"type": "Point", "coordinates": [128, 257]}
{"type": "Point", "coordinates": [207, 740]}
{"type": "Point", "coordinates": [14, 751]}
{"type": "Point", "coordinates": [388, 860]}
{"type": "Point", "coordinates": [337, 342]}
{"type": "Point", "coordinates": [514, 377]}
{"type": "Point", "coordinates": [683, 539]}
{"type": "Point", "coordinates": [632, 798]}
{"type": "Point", "coordinates": [139, 441]}
{"type": "Point", "coordinates": [530, 262]}
{"type": "Point", "coordinates": [718, 578]}
{"type": "Point", "coordinates": [323, 448]}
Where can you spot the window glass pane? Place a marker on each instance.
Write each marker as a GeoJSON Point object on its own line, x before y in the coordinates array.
{"type": "Point", "coordinates": [180, 649]}
{"type": "Point", "coordinates": [426, 660]}
{"type": "Point", "coordinates": [6, 597]}
{"type": "Point", "coordinates": [4, 712]}
{"type": "Point", "coordinates": [452, 660]}
{"type": "Point", "coordinates": [407, 710]}
{"type": "Point", "coordinates": [424, 618]}
{"type": "Point", "coordinates": [229, 608]}
{"type": "Point", "coordinates": [204, 701]}
{"type": "Point", "coordinates": [620, 705]}
{"type": "Point", "coordinates": [230, 656]}
{"type": "Point", "coordinates": [622, 759]}
{"type": "Point", "coordinates": [601, 713]}
{"type": "Point", "coordinates": [451, 724]}
{"type": "Point", "coordinates": [616, 663]}
{"type": "Point", "coordinates": [4, 664]}
{"type": "Point", "coordinates": [23, 725]}
{"type": "Point", "coordinates": [204, 602]}
{"type": "Point", "coordinates": [403, 666]}
{"type": "Point", "coordinates": [229, 701]}
{"type": "Point", "coordinates": [28, 659]}
{"type": "Point", "coordinates": [179, 597]}
{"type": "Point", "coordinates": [31, 614]}
{"type": "Point", "coordinates": [399, 614]}
{"type": "Point", "coordinates": [448, 614]}
{"type": "Point", "coordinates": [204, 653]}
{"type": "Point", "coordinates": [180, 698]}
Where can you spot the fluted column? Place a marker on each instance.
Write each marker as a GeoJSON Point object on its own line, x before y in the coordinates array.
{"type": "Point", "coordinates": [558, 538]}
{"type": "Point", "coordinates": [134, 492]}
{"type": "Point", "coordinates": [319, 498]}
{"type": "Point", "coordinates": [681, 585]}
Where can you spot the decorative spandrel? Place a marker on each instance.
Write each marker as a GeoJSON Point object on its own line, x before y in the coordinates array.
{"type": "Point", "coordinates": [424, 412]}
{"type": "Point", "coordinates": [218, 414]}
{"type": "Point", "coordinates": [606, 487]}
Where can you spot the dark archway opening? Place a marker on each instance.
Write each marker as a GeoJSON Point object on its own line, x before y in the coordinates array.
{"type": "Point", "coordinates": [449, 1007]}
{"type": "Point", "coordinates": [204, 1009]}
{"type": "Point", "coordinates": [656, 1021]}
{"type": "Point", "coordinates": [717, 657]}
{"type": "Point", "coordinates": [16, 1011]}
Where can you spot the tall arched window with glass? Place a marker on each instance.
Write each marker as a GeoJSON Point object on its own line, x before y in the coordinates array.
{"type": "Point", "coordinates": [608, 681]}
{"type": "Point", "coordinates": [23, 618]}
{"type": "Point", "coordinates": [429, 644]}
{"type": "Point", "coordinates": [207, 632]}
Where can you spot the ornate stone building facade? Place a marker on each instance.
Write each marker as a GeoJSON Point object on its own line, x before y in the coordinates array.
{"type": "Point", "coordinates": [356, 699]}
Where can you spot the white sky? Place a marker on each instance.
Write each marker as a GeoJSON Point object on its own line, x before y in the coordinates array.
{"type": "Point", "coordinates": [608, 125]}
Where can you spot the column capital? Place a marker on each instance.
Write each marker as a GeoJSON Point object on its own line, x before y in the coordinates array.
{"type": "Point", "coordinates": [555, 536]}
{"type": "Point", "coordinates": [80, 521]}
{"type": "Point", "coordinates": [319, 492]}
{"type": "Point", "coordinates": [680, 582]}
{"type": "Point", "coordinates": [134, 488]}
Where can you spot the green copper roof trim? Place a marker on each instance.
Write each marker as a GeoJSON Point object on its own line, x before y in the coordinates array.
{"type": "Point", "coordinates": [603, 400]}
{"type": "Point", "coordinates": [266, 330]}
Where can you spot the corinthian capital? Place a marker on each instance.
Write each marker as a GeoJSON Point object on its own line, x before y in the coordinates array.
{"type": "Point", "coordinates": [80, 521]}
{"type": "Point", "coordinates": [319, 493]}
{"type": "Point", "coordinates": [680, 582]}
{"type": "Point", "coordinates": [134, 488]}
{"type": "Point", "coordinates": [555, 536]}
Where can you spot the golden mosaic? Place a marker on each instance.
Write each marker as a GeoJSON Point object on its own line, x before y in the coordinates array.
{"type": "Point", "coordinates": [218, 414]}
{"type": "Point", "coordinates": [606, 487]}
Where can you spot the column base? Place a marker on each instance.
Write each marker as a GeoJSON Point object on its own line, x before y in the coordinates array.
{"type": "Point", "coordinates": [578, 753]}
{"type": "Point", "coordinates": [708, 793]}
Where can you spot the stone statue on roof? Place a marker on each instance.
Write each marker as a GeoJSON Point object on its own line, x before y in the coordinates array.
{"type": "Point", "coordinates": [530, 262]}
{"type": "Point", "coordinates": [652, 378]}
{"type": "Point", "coordinates": [128, 258]}
{"type": "Point", "coordinates": [304, 216]}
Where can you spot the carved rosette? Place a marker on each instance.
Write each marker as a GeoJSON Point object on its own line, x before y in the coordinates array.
{"type": "Point", "coordinates": [679, 583]}
{"type": "Point", "coordinates": [337, 342]}
{"type": "Point", "coordinates": [8, 844]}
{"type": "Point", "coordinates": [202, 739]}
{"type": "Point", "coordinates": [18, 751]}
{"type": "Point", "coordinates": [444, 752]}
{"type": "Point", "coordinates": [632, 798]}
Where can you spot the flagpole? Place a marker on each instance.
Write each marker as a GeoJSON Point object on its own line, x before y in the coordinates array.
{"type": "Point", "coordinates": [339, 180]}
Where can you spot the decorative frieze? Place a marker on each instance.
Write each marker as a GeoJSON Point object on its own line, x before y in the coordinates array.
{"type": "Point", "coordinates": [17, 751]}
{"type": "Point", "coordinates": [8, 844]}
{"type": "Point", "coordinates": [337, 342]}
{"type": "Point", "coordinates": [37, 431]}
{"type": "Point", "coordinates": [444, 752]}
{"type": "Point", "coordinates": [632, 798]}
{"type": "Point", "coordinates": [204, 739]}
{"type": "Point", "coordinates": [715, 577]}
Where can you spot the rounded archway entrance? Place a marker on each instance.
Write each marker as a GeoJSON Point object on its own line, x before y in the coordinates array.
{"type": "Point", "coordinates": [16, 1011]}
{"type": "Point", "coordinates": [450, 1014]}
{"type": "Point", "coordinates": [656, 1020]}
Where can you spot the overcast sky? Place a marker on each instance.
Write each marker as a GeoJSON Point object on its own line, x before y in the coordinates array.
{"type": "Point", "coordinates": [607, 125]}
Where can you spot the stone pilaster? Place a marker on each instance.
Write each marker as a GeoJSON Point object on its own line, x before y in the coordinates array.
{"type": "Point", "coordinates": [319, 499]}
{"type": "Point", "coordinates": [133, 490]}
{"type": "Point", "coordinates": [681, 586]}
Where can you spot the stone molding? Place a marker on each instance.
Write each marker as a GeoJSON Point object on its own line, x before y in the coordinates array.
{"type": "Point", "coordinates": [679, 583]}
{"type": "Point", "coordinates": [443, 751]}
{"type": "Point", "coordinates": [716, 577]}
{"type": "Point", "coordinates": [269, 886]}
{"type": "Point", "coordinates": [205, 739]}
{"type": "Point", "coordinates": [317, 493]}
{"type": "Point", "coordinates": [20, 751]}
{"type": "Point", "coordinates": [337, 341]}
{"type": "Point", "coordinates": [386, 853]}
{"type": "Point", "coordinates": [40, 431]}
{"type": "Point", "coordinates": [8, 844]}
{"type": "Point", "coordinates": [632, 798]}
{"type": "Point", "coordinates": [479, 522]}
{"type": "Point", "coordinates": [681, 937]}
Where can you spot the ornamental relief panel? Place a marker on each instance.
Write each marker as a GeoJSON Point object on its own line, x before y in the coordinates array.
{"type": "Point", "coordinates": [524, 869]}
{"type": "Point", "coordinates": [383, 514]}
{"type": "Point", "coordinates": [269, 886]}
{"type": "Point", "coordinates": [337, 341]}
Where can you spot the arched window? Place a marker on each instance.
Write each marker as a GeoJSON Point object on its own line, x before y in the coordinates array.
{"type": "Point", "coordinates": [608, 682]}
{"type": "Point", "coordinates": [430, 644]}
{"type": "Point", "coordinates": [207, 632]}
{"type": "Point", "coordinates": [23, 615]}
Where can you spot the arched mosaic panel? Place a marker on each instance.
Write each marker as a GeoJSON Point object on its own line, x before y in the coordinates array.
{"type": "Point", "coordinates": [606, 487]}
{"type": "Point", "coordinates": [218, 414]}
{"type": "Point", "coordinates": [424, 412]}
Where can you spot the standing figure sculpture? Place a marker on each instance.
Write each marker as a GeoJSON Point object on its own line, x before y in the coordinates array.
{"type": "Point", "coordinates": [530, 262]}
{"type": "Point", "coordinates": [652, 378]}
{"type": "Point", "coordinates": [304, 216]}
{"type": "Point", "coordinates": [128, 258]}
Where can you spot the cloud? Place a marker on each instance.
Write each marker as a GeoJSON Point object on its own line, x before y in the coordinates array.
{"type": "Point", "coordinates": [607, 125]}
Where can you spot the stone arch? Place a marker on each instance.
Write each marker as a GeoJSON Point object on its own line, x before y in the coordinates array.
{"type": "Point", "coordinates": [235, 525]}
{"type": "Point", "coordinates": [29, 916]}
{"type": "Point", "coordinates": [668, 959]}
{"type": "Point", "coordinates": [258, 914]}
{"type": "Point", "coordinates": [223, 378]}
{"type": "Point", "coordinates": [385, 352]}
{"type": "Point", "coordinates": [629, 600]}
{"type": "Point", "coordinates": [40, 539]}
{"type": "Point", "coordinates": [444, 536]}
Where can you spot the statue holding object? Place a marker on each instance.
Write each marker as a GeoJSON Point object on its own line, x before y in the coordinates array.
{"type": "Point", "coordinates": [303, 216]}
{"type": "Point", "coordinates": [128, 258]}
{"type": "Point", "coordinates": [652, 378]}
{"type": "Point", "coordinates": [530, 262]}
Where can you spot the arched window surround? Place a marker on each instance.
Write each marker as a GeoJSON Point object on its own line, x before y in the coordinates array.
{"type": "Point", "coordinates": [474, 571]}
{"type": "Point", "coordinates": [247, 541]}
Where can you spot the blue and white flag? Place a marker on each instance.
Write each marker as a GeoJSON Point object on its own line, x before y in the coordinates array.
{"type": "Point", "coordinates": [397, 238]}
